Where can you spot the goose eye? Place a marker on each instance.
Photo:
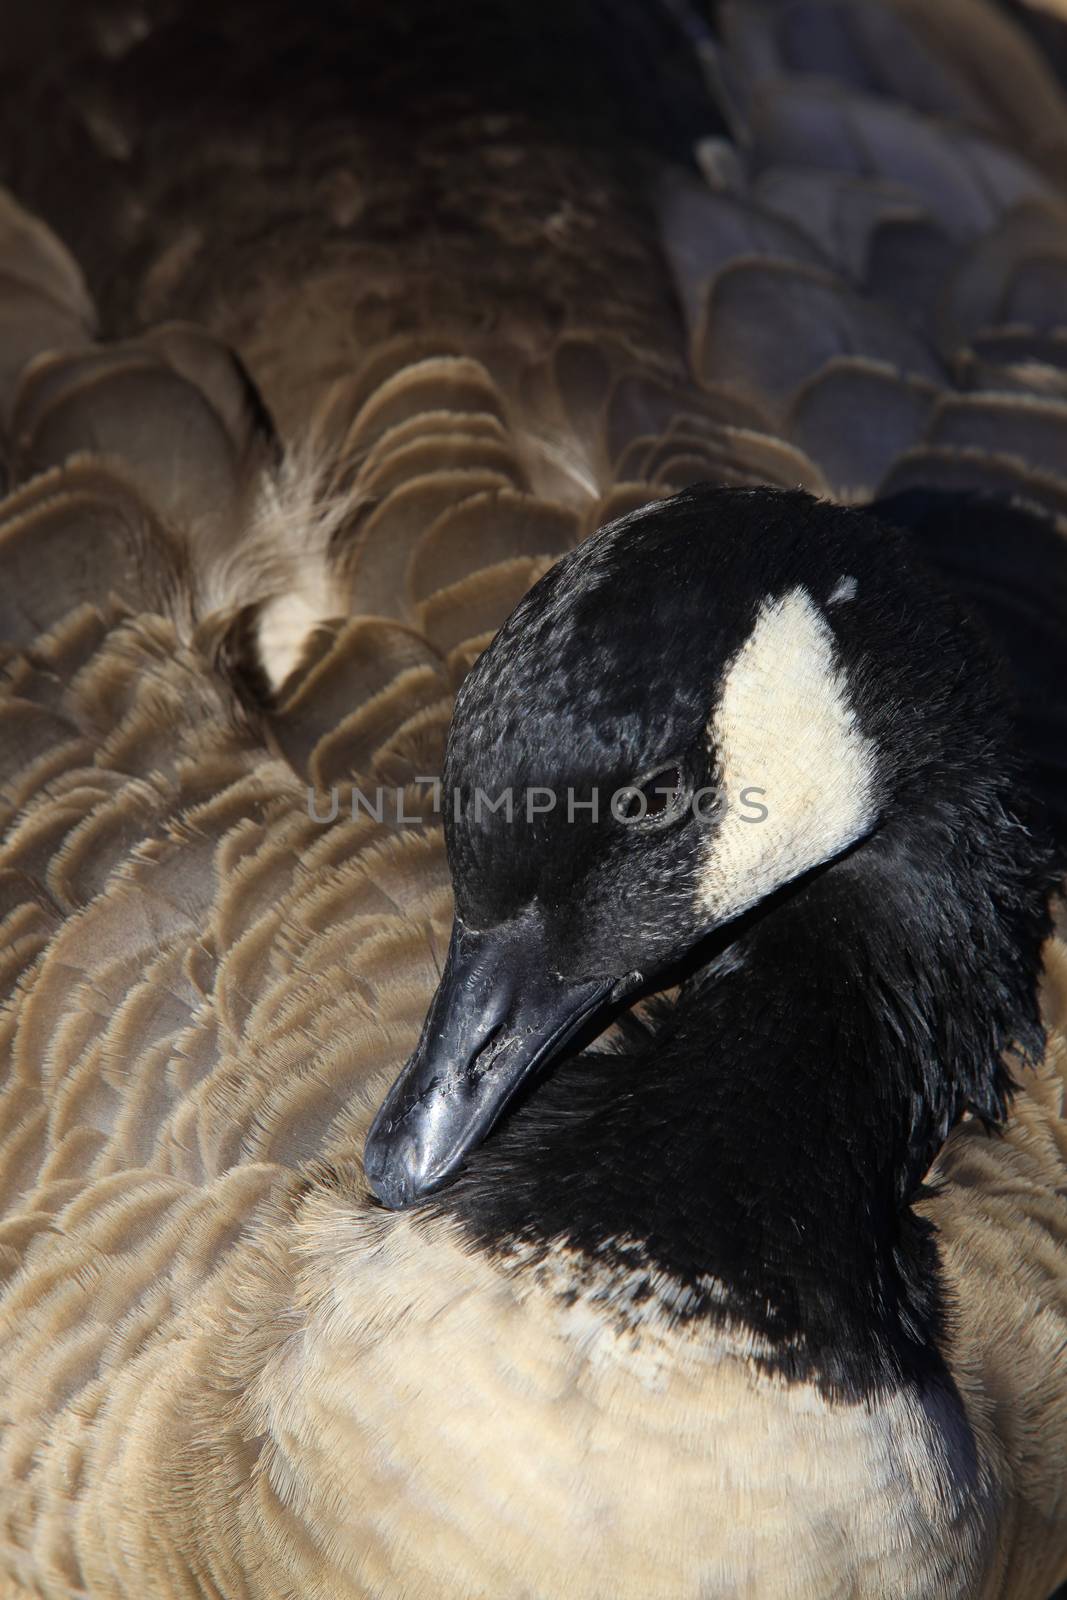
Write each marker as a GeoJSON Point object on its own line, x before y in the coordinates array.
{"type": "Point", "coordinates": [654, 798]}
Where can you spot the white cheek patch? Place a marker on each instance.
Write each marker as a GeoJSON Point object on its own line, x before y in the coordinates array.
{"type": "Point", "coordinates": [790, 748]}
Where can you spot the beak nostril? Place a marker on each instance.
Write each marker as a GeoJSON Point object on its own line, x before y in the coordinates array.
{"type": "Point", "coordinates": [492, 1034]}
{"type": "Point", "coordinates": [497, 1045]}
{"type": "Point", "coordinates": [481, 1061]}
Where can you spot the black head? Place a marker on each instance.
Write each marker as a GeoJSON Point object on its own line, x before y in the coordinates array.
{"type": "Point", "coordinates": [705, 702]}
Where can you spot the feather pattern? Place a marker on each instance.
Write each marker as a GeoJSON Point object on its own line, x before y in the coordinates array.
{"type": "Point", "coordinates": [295, 414]}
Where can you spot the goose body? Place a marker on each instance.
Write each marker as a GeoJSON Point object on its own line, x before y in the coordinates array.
{"type": "Point", "coordinates": [701, 1247]}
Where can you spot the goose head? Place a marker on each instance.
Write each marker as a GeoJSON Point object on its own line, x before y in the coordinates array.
{"type": "Point", "coordinates": [704, 708]}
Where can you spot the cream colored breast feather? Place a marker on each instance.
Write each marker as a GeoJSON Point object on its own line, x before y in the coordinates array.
{"type": "Point", "coordinates": [223, 1372]}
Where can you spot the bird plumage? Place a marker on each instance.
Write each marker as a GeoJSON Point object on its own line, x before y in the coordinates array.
{"type": "Point", "coordinates": [485, 318]}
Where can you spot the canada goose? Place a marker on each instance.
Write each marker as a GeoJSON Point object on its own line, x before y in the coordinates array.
{"type": "Point", "coordinates": [387, 335]}
{"type": "Point", "coordinates": [713, 1184]}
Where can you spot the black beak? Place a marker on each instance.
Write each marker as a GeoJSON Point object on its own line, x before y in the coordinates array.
{"type": "Point", "coordinates": [498, 1015]}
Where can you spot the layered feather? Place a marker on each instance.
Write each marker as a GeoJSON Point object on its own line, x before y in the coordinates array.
{"type": "Point", "coordinates": [480, 337]}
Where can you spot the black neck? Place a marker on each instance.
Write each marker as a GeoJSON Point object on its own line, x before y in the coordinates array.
{"type": "Point", "coordinates": [763, 1142]}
